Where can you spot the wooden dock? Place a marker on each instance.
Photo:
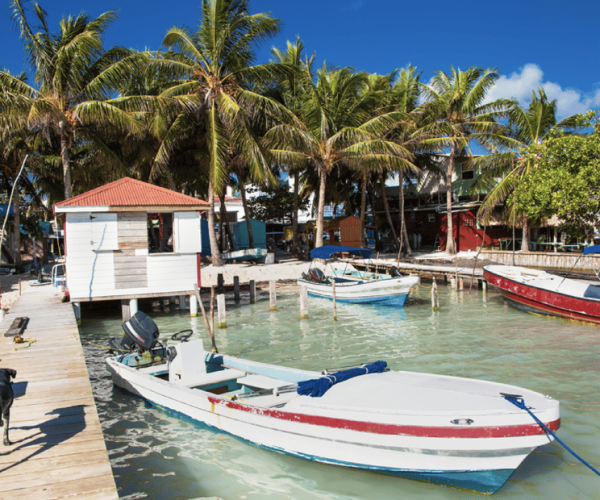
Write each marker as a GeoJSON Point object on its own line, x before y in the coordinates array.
{"type": "Point", "coordinates": [57, 448]}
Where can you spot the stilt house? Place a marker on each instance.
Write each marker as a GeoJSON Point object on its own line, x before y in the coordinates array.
{"type": "Point", "coordinates": [129, 240]}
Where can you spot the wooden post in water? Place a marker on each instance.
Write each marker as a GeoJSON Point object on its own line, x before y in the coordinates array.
{"type": "Point", "coordinates": [484, 286]}
{"type": "Point", "coordinates": [303, 302]}
{"type": "Point", "coordinates": [272, 295]}
{"type": "Point", "coordinates": [182, 302]}
{"type": "Point", "coordinates": [221, 311]}
{"type": "Point", "coordinates": [19, 288]}
{"type": "Point", "coordinates": [453, 283]}
{"type": "Point", "coordinates": [333, 296]}
{"type": "Point", "coordinates": [461, 283]}
{"type": "Point", "coordinates": [252, 292]}
{"type": "Point", "coordinates": [211, 333]}
{"type": "Point", "coordinates": [212, 309]}
{"type": "Point", "coordinates": [77, 311]}
{"type": "Point", "coordinates": [220, 283]}
{"type": "Point", "coordinates": [236, 288]}
{"type": "Point", "coordinates": [435, 300]}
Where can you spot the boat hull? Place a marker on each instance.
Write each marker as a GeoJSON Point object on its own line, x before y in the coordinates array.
{"type": "Point", "coordinates": [390, 292]}
{"type": "Point", "coordinates": [415, 445]}
{"type": "Point", "coordinates": [545, 294]}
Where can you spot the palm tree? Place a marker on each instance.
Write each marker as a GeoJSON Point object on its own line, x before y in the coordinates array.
{"type": "Point", "coordinates": [461, 115]}
{"type": "Point", "coordinates": [336, 130]}
{"type": "Point", "coordinates": [217, 62]}
{"type": "Point", "coordinates": [525, 127]}
{"type": "Point", "coordinates": [74, 75]}
{"type": "Point", "coordinates": [292, 90]}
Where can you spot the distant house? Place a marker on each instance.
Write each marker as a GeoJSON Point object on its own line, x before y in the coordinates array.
{"type": "Point", "coordinates": [425, 210]}
{"type": "Point", "coordinates": [129, 240]}
{"type": "Point", "coordinates": [343, 231]}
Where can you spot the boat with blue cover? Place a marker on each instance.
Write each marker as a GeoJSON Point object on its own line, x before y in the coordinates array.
{"type": "Point", "coordinates": [352, 285]}
{"type": "Point", "coordinates": [447, 430]}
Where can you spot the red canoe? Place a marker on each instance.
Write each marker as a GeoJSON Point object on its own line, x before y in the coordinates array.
{"type": "Point", "coordinates": [544, 293]}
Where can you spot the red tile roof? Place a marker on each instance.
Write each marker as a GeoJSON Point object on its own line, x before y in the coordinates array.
{"type": "Point", "coordinates": [127, 192]}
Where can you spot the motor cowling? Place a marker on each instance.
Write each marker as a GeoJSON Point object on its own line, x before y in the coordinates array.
{"type": "Point", "coordinates": [140, 333]}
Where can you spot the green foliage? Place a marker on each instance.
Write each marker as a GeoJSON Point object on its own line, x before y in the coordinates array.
{"type": "Point", "coordinates": [566, 181]}
{"type": "Point", "coordinates": [276, 204]}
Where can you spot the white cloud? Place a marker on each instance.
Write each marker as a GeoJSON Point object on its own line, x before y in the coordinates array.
{"type": "Point", "coordinates": [520, 85]}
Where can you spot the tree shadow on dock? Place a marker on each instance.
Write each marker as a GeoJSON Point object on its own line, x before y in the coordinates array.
{"type": "Point", "coordinates": [68, 422]}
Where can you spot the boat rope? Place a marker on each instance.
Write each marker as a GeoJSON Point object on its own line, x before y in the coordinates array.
{"type": "Point", "coordinates": [519, 402]}
{"type": "Point", "coordinates": [22, 340]}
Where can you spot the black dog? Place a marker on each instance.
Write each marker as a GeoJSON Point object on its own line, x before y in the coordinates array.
{"type": "Point", "coordinates": [6, 399]}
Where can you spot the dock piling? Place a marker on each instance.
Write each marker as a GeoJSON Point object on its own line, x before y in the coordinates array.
{"type": "Point", "coordinates": [77, 311]}
{"type": "Point", "coordinates": [236, 288]}
{"type": "Point", "coordinates": [125, 310]}
{"type": "Point", "coordinates": [252, 292]}
{"type": "Point", "coordinates": [303, 302]}
{"type": "Point", "coordinates": [220, 283]}
{"type": "Point", "coordinates": [333, 297]}
{"type": "Point", "coordinates": [222, 314]}
{"type": "Point", "coordinates": [182, 302]}
{"type": "Point", "coordinates": [194, 306]}
{"type": "Point", "coordinates": [272, 295]}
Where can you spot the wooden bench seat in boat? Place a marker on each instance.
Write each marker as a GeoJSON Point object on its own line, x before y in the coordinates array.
{"type": "Point", "coordinates": [213, 378]}
{"type": "Point", "coordinates": [269, 400]}
{"type": "Point", "coordinates": [262, 382]}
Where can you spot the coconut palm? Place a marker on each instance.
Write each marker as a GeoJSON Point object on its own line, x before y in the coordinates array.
{"type": "Point", "coordinates": [291, 90]}
{"type": "Point", "coordinates": [217, 61]}
{"type": "Point", "coordinates": [74, 75]}
{"type": "Point", "coordinates": [336, 130]}
{"type": "Point", "coordinates": [525, 127]}
{"type": "Point", "coordinates": [461, 115]}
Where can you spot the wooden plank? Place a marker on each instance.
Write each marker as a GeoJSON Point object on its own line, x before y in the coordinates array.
{"type": "Point", "coordinates": [58, 447]}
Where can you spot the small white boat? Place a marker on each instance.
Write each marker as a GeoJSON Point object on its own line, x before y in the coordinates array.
{"type": "Point", "coordinates": [447, 430]}
{"type": "Point", "coordinates": [244, 255]}
{"type": "Point", "coordinates": [355, 286]}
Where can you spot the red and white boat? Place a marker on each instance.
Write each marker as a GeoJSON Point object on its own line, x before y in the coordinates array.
{"type": "Point", "coordinates": [447, 430]}
{"type": "Point", "coordinates": [540, 292]}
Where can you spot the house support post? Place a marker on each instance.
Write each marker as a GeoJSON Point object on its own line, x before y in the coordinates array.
{"type": "Point", "coordinates": [77, 311]}
{"type": "Point", "coordinates": [182, 302]}
{"type": "Point", "coordinates": [125, 310]}
{"type": "Point", "coordinates": [133, 306]}
{"type": "Point", "coordinates": [193, 306]}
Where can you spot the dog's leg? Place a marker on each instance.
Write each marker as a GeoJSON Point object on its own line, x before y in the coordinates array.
{"type": "Point", "coordinates": [5, 422]}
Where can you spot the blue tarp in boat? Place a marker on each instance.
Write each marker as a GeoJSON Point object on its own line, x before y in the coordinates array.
{"type": "Point", "coordinates": [316, 387]}
{"type": "Point", "coordinates": [592, 249]}
{"type": "Point", "coordinates": [327, 251]}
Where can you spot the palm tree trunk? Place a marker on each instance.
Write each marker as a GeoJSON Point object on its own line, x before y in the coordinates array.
{"type": "Point", "coordinates": [321, 209]}
{"type": "Point", "coordinates": [403, 232]}
{"type": "Point", "coordinates": [16, 244]}
{"type": "Point", "coordinates": [363, 207]}
{"type": "Point", "coordinates": [525, 242]}
{"type": "Point", "coordinates": [450, 247]}
{"type": "Point", "coordinates": [387, 212]}
{"type": "Point", "coordinates": [214, 247]}
{"type": "Point", "coordinates": [248, 220]}
{"type": "Point", "coordinates": [295, 245]}
{"type": "Point", "coordinates": [64, 155]}
{"type": "Point", "coordinates": [222, 217]}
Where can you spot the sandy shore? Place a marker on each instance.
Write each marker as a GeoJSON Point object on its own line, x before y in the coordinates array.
{"type": "Point", "coordinates": [284, 271]}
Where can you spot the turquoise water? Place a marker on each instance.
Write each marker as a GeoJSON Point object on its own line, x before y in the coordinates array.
{"type": "Point", "coordinates": [155, 455]}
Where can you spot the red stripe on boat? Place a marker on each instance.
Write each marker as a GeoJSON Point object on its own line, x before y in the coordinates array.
{"type": "Point", "coordinates": [392, 429]}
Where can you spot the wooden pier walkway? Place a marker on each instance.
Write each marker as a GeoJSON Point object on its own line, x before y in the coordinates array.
{"type": "Point", "coordinates": [57, 448]}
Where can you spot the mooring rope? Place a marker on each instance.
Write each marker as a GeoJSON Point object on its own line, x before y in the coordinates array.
{"type": "Point", "coordinates": [520, 403]}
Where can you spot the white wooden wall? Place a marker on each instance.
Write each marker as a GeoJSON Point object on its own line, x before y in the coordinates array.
{"type": "Point", "coordinates": [102, 245]}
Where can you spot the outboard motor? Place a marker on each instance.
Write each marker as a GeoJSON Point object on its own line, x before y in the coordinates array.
{"type": "Point", "coordinates": [140, 333]}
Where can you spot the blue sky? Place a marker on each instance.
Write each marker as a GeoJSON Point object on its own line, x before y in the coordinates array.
{"type": "Point", "coordinates": [531, 42]}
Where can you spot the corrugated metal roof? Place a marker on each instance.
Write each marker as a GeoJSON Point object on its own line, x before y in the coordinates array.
{"type": "Point", "coordinates": [127, 192]}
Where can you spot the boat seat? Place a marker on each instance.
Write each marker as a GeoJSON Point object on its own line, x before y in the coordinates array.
{"type": "Point", "coordinates": [269, 400]}
{"type": "Point", "coordinates": [262, 382]}
{"type": "Point", "coordinates": [214, 378]}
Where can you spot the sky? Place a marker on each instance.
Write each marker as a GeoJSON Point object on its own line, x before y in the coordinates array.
{"type": "Point", "coordinates": [551, 43]}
